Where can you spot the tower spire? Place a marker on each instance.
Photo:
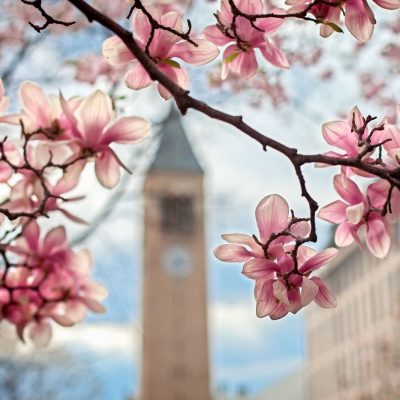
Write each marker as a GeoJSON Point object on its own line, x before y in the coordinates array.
{"type": "Point", "coordinates": [174, 152]}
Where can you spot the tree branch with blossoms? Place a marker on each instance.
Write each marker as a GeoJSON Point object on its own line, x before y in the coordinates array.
{"type": "Point", "coordinates": [278, 259]}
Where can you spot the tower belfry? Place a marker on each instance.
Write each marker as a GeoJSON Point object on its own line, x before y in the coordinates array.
{"type": "Point", "coordinates": [175, 345]}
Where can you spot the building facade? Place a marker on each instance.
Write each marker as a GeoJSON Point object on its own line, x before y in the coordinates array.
{"type": "Point", "coordinates": [353, 350]}
{"type": "Point", "coordinates": [175, 347]}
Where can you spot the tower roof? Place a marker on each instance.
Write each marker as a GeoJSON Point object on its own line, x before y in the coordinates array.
{"type": "Point", "coordinates": [174, 152]}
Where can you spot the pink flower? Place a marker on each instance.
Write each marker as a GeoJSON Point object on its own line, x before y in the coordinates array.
{"type": "Point", "coordinates": [359, 210]}
{"type": "Point", "coordinates": [339, 134]}
{"type": "Point", "coordinates": [49, 282]}
{"type": "Point", "coordinates": [359, 18]}
{"type": "Point", "coordinates": [164, 48]}
{"type": "Point", "coordinates": [93, 129]}
{"type": "Point", "coordinates": [240, 58]}
{"type": "Point", "coordinates": [280, 270]}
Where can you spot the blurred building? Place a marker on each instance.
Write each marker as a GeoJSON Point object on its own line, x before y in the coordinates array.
{"type": "Point", "coordinates": [175, 346]}
{"type": "Point", "coordinates": [353, 350]}
{"type": "Point", "coordinates": [292, 387]}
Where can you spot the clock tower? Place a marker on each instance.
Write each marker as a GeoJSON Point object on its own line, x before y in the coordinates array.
{"type": "Point", "coordinates": [175, 345]}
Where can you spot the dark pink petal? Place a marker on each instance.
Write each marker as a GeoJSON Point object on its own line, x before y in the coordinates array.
{"type": "Point", "coordinates": [260, 268]}
{"type": "Point", "coordinates": [333, 16]}
{"type": "Point", "coordinates": [31, 234]}
{"type": "Point", "coordinates": [308, 291]}
{"type": "Point", "coordinates": [279, 311]}
{"type": "Point", "coordinates": [250, 6]}
{"type": "Point", "coordinates": [377, 193]}
{"type": "Point", "coordinates": [294, 300]}
{"type": "Point", "coordinates": [56, 239]}
{"type": "Point", "coordinates": [378, 237]}
{"type": "Point", "coordinates": [347, 189]}
{"type": "Point", "coordinates": [318, 260]}
{"type": "Point", "coordinates": [359, 19]}
{"type": "Point", "coordinates": [232, 253]}
{"type": "Point", "coordinates": [272, 216]}
{"type": "Point", "coordinates": [324, 297]}
{"type": "Point", "coordinates": [285, 263]}
{"type": "Point", "coordinates": [274, 54]}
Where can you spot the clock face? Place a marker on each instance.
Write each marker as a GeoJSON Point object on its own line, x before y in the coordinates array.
{"type": "Point", "coordinates": [177, 262]}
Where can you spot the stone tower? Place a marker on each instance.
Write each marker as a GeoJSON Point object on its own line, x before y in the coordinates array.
{"type": "Point", "coordinates": [175, 345]}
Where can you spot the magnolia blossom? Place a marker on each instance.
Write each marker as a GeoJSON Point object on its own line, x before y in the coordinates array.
{"type": "Point", "coordinates": [280, 270]}
{"type": "Point", "coordinates": [93, 129]}
{"type": "Point", "coordinates": [165, 47]}
{"type": "Point", "coordinates": [359, 210]}
{"type": "Point", "coordinates": [340, 134]}
{"type": "Point", "coordinates": [358, 16]}
{"type": "Point", "coordinates": [48, 282]}
{"type": "Point", "coordinates": [240, 57]}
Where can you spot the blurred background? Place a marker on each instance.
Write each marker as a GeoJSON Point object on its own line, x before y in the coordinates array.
{"type": "Point", "coordinates": [217, 176]}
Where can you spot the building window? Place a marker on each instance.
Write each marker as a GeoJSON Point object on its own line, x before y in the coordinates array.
{"type": "Point", "coordinates": [177, 214]}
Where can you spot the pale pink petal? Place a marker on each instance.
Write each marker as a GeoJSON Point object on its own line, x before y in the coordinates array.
{"type": "Point", "coordinates": [359, 19]}
{"type": "Point", "coordinates": [378, 192]}
{"type": "Point", "coordinates": [308, 291]}
{"type": "Point", "coordinates": [35, 103]}
{"type": "Point", "coordinates": [232, 253]}
{"type": "Point", "coordinates": [272, 216]}
{"type": "Point", "coordinates": [304, 253]}
{"type": "Point", "coordinates": [115, 51]}
{"type": "Point", "coordinates": [107, 169]}
{"type": "Point", "coordinates": [333, 16]}
{"type": "Point", "coordinates": [70, 178]}
{"type": "Point", "coordinates": [213, 34]}
{"type": "Point", "coordinates": [345, 234]}
{"type": "Point", "coordinates": [40, 333]}
{"type": "Point", "coordinates": [239, 238]}
{"type": "Point", "coordinates": [266, 300]}
{"type": "Point", "coordinates": [378, 237]}
{"type": "Point", "coordinates": [55, 239]}
{"type": "Point", "coordinates": [95, 113]}
{"type": "Point", "coordinates": [202, 54]}
{"type": "Point", "coordinates": [301, 229]}
{"type": "Point", "coordinates": [279, 311]}
{"type": "Point", "coordinates": [338, 134]}
{"type": "Point", "coordinates": [260, 268]}
{"type": "Point", "coordinates": [270, 25]}
{"type": "Point", "coordinates": [137, 77]}
{"type": "Point", "coordinates": [334, 212]}
{"type": "Point", "coordinates": [274, 55]}
{"type": "Point", "coordinates": [324, 297]}
{"type": "Point", "coordinates": [388, 4]}
{"type": "Point", "coordinates": [141, 24]}
{"type": "Point", "coordinates": [245, 64]}
{"type": "Point", "coordinates": [178, 75]}
{"type": "Point", "coordinates": [355, 213]}
{"type": "Point", "coordinates": [5, 172]}
{"type": "Point", "coordinates": [347, 189]}
{"type": "Point", "coordinates": [230, 53]}
{"type": "Point", "coordinates": [318, 260]}
{"type": "Point", "coordinates": [281, 292]}
{"type": "Point", "coordinates": [126, 130]}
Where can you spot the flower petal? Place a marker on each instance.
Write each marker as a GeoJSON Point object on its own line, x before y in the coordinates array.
{"type": "Point", "coordinates": [126, 130]}
{"type": "Point", "coordinates": [232, 253]}
{"type": "Point", "coordinates": [324, 297]}
{"type": "Point", "coordinates": [378, 237]}
{"type": "Point", "coordinates": [318, 260]}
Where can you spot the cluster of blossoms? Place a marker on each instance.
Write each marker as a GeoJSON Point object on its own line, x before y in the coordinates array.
{"type": "Point", "coordinates": [378, 206]}
{"type": "Point", "coordinates": [163, 47]}
{"type": "Point", "coordinates": [279, 264]}
{"type": "Point", "coordinates": [46, 280]}
{"type": "Point", "coordinates": [359, 18]}
{"type": "Point", "coordinates": [42, 278]}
